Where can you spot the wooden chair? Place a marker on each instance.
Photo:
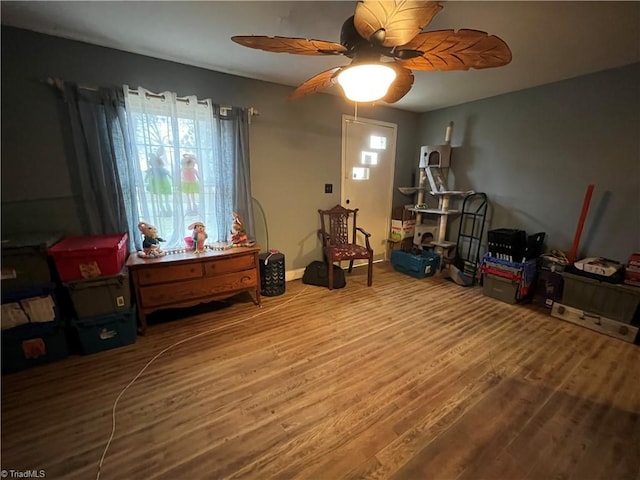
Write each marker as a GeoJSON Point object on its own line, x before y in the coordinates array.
{"type": "Point", "coordinates": [340, 242]}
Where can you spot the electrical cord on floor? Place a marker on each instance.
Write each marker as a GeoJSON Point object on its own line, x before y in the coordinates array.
{"type": "Point", "coordinates": [139, 374]}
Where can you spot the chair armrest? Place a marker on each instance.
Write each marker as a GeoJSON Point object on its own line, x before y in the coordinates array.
{"type": "Point", "coordinates": [363, 231]}
{"type": "Point", "coordinates": [324, 238]}
{"type": "Point", "coordinates": [366, 236]}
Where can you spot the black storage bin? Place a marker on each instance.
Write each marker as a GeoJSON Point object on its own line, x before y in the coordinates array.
{"type": "Point", "coordinates": [534, 245]}
{"type": "Point", "coordinates": [19, 301]}
{"type": "Point", "coordinates": [32, 344]}
{"type": "Point", "coordinates": [272, 274]}
{"type": "Point", "coordinates": [507, 244]}
{"type": "Point", "coordinates": [25, 262]}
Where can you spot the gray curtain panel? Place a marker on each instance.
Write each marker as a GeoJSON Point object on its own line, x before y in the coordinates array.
{"type": "Point", "coordinates": [99, 132]}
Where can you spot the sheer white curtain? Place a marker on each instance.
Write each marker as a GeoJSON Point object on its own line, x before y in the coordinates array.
{"type": "Point", "coordinates": [187, 154]}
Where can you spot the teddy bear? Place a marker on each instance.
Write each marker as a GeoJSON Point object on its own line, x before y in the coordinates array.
{"type": "Point", "coordinates": [150, 241]}
{"type": "Point", "coordinates": [199, 236]}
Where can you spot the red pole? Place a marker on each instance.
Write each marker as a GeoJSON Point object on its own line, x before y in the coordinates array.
{"type": "Point", "coordinates": [583, 215]}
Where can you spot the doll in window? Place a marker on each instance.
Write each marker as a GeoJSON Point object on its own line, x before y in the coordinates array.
{"type": "Point", "coordinates": [158, 180]}
{"type": "Point", "coordinates": [190, 182]}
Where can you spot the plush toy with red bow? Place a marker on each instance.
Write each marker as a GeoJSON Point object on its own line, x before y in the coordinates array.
{"type": "Point", "coordinates": [199, 236]}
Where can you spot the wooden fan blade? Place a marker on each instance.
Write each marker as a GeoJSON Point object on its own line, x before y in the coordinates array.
{"type": "Point", "coordinates": [461, 50]}
{"type": "Point", "coordinates": [400, 86]}
{"type": "Point", "coordinates": [317, 83]}
{"type": "Point", "coordinates": [402, 20]}
{"type": "Point", "coordinates": [299, 46]}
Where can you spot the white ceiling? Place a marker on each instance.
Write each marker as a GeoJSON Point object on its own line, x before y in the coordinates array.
{"type": "Point", "coordinates": [550, 41]}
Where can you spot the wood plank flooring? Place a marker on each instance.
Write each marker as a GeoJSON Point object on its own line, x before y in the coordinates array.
{"type": "Point", "coordinates": [407, 379]}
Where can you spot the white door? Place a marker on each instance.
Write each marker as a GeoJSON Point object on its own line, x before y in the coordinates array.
{"type": "Point", "coordinates": [368, 162]}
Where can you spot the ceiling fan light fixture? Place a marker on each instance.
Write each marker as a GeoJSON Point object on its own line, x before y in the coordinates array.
{"type": "Point", "coordinates": [366, 82]}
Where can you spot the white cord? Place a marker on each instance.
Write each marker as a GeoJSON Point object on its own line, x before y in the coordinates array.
{"type": "Point", "coordinates": [115, 404]}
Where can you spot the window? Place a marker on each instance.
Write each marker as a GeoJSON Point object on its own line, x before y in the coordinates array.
{"type": "Point", "coordinates": [185, 156]}
{"type": "Point", "coordinates": [369, 158]}
{"type": "Point", "coordinates": [360, 173]}
{"type": "Point", "coordinates": [377, 142]}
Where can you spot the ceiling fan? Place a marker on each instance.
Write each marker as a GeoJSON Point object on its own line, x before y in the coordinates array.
{"type": "Point", "coordinates": [385, 42]}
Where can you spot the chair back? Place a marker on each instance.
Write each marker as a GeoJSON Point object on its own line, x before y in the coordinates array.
{"type": "Point", "coordinates": [338, 225]}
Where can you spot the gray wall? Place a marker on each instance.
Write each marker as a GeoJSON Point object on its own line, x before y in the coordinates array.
{"type": "Point", "coordinates": [534, 153]}
{"type": "Point", "coordinates": [295, 146]}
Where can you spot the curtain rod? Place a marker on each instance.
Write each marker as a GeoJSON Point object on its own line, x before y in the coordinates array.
{"type": "Point", "coordinates": [252, 111]}
{"type": "Point", "coordinates": [59, 84]}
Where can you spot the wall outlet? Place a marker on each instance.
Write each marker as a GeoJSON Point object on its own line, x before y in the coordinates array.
{"type": "Point", "coordinates": [328, 188]}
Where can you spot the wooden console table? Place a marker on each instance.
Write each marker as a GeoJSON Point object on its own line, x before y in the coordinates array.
{"type": "Point", "coordinates": [187, 279]}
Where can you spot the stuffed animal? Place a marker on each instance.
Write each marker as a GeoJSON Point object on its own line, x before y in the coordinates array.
{"type": "Point", "coordinates": [150, 241]}
{"type": "Point", "coordinates": [199, 236]}
{"type": "Point", "coordinates": [238, 234]}
{"type": "Point", "coordinates": [190, 182]}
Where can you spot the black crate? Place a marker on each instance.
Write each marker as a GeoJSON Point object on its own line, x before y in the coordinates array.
{"type": "Point", "coordinates": [534, 245]}
{"type": "Point", "coordinates": [507, 244]}
{"type": "Point", "coordinates": [272, 274]}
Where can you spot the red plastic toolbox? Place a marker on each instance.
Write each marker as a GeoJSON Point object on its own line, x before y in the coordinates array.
{"type": "Point", "coordinates": [80, 257]}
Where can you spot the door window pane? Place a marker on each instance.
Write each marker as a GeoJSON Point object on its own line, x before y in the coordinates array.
{"type": "Point", "coordinates": [369, 158]}
{"type": "Point", "coordinates": [377, 142]}
{"type": "Point", "coordinates": [360, 173]}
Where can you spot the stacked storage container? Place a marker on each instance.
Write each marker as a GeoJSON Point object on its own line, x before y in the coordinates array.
{"type": "Point", "coordinates": [600, 305]}
{"type": "Point", "coordinates": [509, 269]}
{"type": "Point", "coordinates": [93, 272]}
{"type": "Point", "coordinates": [32, 327]}
{"type": "Point", "coordinates": [511, 282]}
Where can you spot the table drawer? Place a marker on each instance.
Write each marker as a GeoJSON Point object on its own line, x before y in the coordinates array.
{"type": "Point", "coordinates": [232, 264]}
{"type": "Point", "coordinates": [164, 274]}
{"type": "Point", "coordinates": [205, 288]}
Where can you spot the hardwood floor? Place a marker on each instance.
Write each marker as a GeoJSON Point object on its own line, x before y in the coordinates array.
{"type": "Point", "coordinates": [407, 379]}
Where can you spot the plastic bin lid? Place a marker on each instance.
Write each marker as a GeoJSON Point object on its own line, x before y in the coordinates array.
{"type": "Point", "coordinates": [79, 243]}
{"type": "Point", "coordinates": [101, 281]}
{"type": "Point", "coordinates": [40, 240]}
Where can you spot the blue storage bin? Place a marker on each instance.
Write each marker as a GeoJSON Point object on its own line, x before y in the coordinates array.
{"type": "Point", "coordinates": [418, 266]}
{"type": "Point", "coordinates": [104, 332]}
{"type": "Point", "coordinates": [21, 300]}
{"type": "Point", "coordinates": [32, 344]}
